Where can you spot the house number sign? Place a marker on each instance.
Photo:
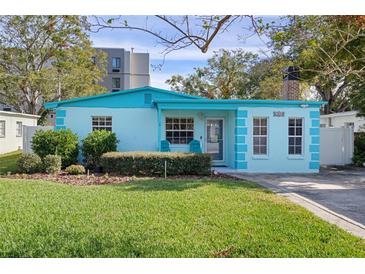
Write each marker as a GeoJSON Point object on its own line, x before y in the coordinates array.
{"type": "Point", "coordinates": [279, 113]}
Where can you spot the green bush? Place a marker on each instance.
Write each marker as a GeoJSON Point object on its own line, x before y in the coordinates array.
{"type": "Point", "coordinates": [75, 169]}
{"type": "Point", "coordinates": [359, 149]}
{"type": "Point", "coordinates": [153, 163]}
{"type": "Point", "coordinates": [95, 144]}
{"type": "Point", "coordinates": [52, 164]}
{"type": "Point", "coordinates": [60, 142]}
{"type": "Point", "coordinates": [29, 163]}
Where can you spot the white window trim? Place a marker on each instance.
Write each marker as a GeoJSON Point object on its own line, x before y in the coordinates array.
{"type": "Point", "coordinates": [98, 127]}
{"type": "Point", "coordinates": [295, 156]}
{"type": "Point", "coordinates": [172, 130]}
{"type": "Point", "coordinates": [21, 128]}
{"type": "Point", "coordinates": [3, 122]}
{"type": "Point", "coordinates": [261, 156]}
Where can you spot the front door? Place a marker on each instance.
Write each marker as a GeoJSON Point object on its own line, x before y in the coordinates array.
{"type": "Point", "coordinates": [215, 139]}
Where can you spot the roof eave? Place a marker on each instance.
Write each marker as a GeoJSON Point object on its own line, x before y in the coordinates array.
{"type": "Point", "coordinates": [241, 102]}
{"type": "Point", "coordinates": [51, 105]}
{"type": "Point", "coordinates": [55, 104]}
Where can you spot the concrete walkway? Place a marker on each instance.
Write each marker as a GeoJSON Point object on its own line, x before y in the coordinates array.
{"type": "Point", "coordinates": [335, 195]}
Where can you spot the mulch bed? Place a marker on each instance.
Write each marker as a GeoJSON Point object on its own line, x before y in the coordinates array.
{"type": "Point", "coordinates": [103, 179]}
{"type": "Point", "coordinates": [99, 179]}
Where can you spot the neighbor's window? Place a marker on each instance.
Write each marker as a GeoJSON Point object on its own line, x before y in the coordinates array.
{"type": "Point", "coordinates": [2, 128]}
{"type": "Point", "coordinates": [116, 83]}
{"type": "Point", "coordinates": [116, 62]}
{"type": "Point", "coordinates": [179, 130]}
{"type": "Point", "coordinates": [19, 129]}
{"type": "Point", "coordinates": [260, 136]}
{"type": "Point", "coordinates": [295, 135]}
{"type": "Point", "coordinates": [102, 122]}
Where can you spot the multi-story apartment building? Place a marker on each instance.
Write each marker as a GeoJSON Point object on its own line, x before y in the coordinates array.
{"type": "Point", "coordinates": [126, 69]}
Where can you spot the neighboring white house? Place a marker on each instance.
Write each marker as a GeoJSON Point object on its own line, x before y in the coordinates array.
{"type": "Point", "coordinates": [343, 119]}
{"type": "Point", "coordinates": [11, 129]}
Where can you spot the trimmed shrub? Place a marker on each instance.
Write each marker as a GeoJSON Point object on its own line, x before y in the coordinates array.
{"type": "Point", "coordinates": [52, 164]}
{"type": "Point", "coordinates": [95, 144]}
{"type": "Point", "coordinates": [75, 169]}
{"type": "Point", "coordinates": [153, 163]}
{"type": "Point", "coordinates": [359, 149]}
{"type": "Point", "coordinates": [62, 142]}
{"type": "Point", "coordinates": [29, 163]}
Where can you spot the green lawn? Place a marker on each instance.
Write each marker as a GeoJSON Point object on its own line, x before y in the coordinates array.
{"type": "Point", "coordinates": [159, 218]}
{"type": "Point", "coordinates": [8, 161]}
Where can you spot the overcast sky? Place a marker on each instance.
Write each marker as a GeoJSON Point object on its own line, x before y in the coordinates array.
{"type": "Point", "coordinates": [177, 62]}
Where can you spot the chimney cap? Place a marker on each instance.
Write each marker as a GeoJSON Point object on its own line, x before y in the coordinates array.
{"type": "Point", "coordinates": [291, 73]}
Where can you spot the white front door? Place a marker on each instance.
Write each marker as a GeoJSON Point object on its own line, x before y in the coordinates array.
{"type": "Point", "coordinates": [215, 138]}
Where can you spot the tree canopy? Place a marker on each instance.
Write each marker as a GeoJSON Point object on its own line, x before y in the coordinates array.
{"type": "Point", "coordinates": [225, 76]}
{"type": "Point", "coordinates": [330, 53]}
{"type": "Point", "coordinates": [46, 58]}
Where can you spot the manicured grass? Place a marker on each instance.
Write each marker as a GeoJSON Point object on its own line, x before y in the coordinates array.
{"type": "Point", "coordinates": [8, 161]}
{"type": "Point", "coordinates": [159, 218]}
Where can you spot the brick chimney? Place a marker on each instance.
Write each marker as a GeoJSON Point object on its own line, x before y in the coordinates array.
{"type": "Point", "coordinates": [291, 89]}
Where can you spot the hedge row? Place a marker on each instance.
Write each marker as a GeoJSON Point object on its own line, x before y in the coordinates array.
{"type": "Point", "coordinates": [153, 163]}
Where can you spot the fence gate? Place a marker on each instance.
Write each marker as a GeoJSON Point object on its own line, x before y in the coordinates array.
{"type": "Point", "coordinates": [337, 146]}
{"type": "Point", "coordinates": [28, 132]}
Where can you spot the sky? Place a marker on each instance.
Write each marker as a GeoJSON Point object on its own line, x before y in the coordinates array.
{"type": "Point", "coordinates": [177, 62]}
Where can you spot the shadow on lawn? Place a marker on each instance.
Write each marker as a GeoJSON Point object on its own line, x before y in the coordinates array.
{"type": "Point", "coordinates": [185, 184]}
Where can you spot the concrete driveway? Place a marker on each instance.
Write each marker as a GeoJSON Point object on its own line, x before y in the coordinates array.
{"type": "Point", "coordinates": [341, 190]}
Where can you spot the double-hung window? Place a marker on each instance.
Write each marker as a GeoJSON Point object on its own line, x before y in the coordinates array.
{"type": "Point", "coordinates": [260, 138]}
{"type": "Point", "coordinates": [179, 130]}
{"type": "Point", "coordinates": [295, 136]}
{"type": "Point", "coordinates": [102, 123]}
{"type": "Point", "coordinates": [19, 129]}
{"type": "Point", "coordinates": [2, 128]}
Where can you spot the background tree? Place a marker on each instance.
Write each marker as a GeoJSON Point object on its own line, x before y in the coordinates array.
{"type": "Point", "coordinates": [330, 52]}
{"type": "Point", "coordinates": [225, 76]}
{"type": "Point", "coordinates": [236, 74]}
{"type": "Point", "coordinates": [46, 58]}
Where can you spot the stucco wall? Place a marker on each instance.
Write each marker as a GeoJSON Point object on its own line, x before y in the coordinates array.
{"type": "Point", "coordinates": [278, 159]}
{"type": "Point", "coordinates": [11, 142]}
{"type": "Point", "coordinates": [136, 128]}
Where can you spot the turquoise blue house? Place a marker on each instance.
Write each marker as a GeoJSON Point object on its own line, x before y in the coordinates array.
{"type": "Point", "coordinates": [245, 135]}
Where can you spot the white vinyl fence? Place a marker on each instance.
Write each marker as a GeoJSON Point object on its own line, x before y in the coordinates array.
{"type": "Point", "coordinates": [28, 132]}
{"type": "Point", "coordinates": [337, 146]}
